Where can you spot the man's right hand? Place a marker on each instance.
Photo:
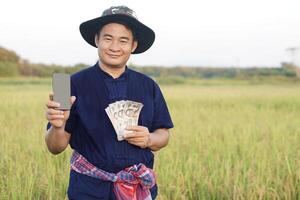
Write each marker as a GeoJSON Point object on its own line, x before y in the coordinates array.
{"type": "Point", "coordinates": [57, 118]}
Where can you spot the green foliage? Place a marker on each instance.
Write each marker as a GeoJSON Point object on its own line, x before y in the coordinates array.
{"type": "Point", "coordinates": [166, 75]}
{"type": "Point", "coordinates": [216, 73]}
{"type": "Point", "coordinates": [8, 69]}
{"type": "Point", "coordinates": [9, 62]}
{"type": "Point", "coordinates": [171, 80]}
{"type": "Point", "coordinates": [8, 56]}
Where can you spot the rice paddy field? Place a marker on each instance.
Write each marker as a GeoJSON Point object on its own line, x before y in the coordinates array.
{"type": "Point", "coordinates": [232, 140]}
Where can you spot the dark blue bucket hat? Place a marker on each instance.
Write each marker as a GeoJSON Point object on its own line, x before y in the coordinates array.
{"type": "Point", "coordinates": [119, 14]}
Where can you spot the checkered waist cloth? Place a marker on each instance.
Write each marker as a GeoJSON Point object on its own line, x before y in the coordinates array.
{"type": "Point", "coordinates": [131, 183]}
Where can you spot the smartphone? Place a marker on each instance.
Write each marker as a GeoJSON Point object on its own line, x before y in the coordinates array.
{"type": "Point", "coordinates": [62, 90]}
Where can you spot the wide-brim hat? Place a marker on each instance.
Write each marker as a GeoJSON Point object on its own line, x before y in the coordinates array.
{"type": "Point", "coordinates": [144, 35]}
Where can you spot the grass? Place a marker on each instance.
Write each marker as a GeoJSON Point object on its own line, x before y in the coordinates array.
{"type": "Point", "coordinates": [230, 141]}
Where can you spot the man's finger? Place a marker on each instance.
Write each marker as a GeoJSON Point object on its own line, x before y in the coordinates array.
{"type": "Point", "coordinates": [53, 117]}
{"type": "Point", "coordinates": [52, 111]}
{"type": "Point", "coordinates": [135, 128]}
{"type": "Point", "coordinates": [134, 134]}
{"type": "Point", "coordinates": [129, 134]}
{"type": "Point", "coordinates": [137, 143]}
{"type": "Point", "coordinates": [52, 104]}
{"type": "Point", "coordinates": [73, 99]}
{"type": "Point", "coordinates": [51, 95]}
{"type": "Point", "coordinates": [135, 140]}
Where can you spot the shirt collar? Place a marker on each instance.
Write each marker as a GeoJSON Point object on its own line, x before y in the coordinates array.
{"type": "Point", "coordinates": [123, 76]}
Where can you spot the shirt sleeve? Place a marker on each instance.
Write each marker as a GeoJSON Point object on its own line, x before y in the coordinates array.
{"type": "Point", "coordinates": [162, 118]}
{"type": "Point", "coordinates": [72, 121]}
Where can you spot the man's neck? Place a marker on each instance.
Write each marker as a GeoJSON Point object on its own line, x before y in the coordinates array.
{"type": "Point", "coordinates": [115, 72]}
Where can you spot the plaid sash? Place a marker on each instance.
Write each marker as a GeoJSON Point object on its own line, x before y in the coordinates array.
{"type": "Point", "coordinates": [131, 183]}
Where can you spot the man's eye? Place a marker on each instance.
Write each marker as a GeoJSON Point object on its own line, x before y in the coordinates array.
{"type": "Point", "coordinates": [124, 41]}
{"type": "Point", "coordinates": [107, 39]}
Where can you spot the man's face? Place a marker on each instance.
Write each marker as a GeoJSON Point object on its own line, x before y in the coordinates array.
{"type": "Point", "coordinates": [115, 44]}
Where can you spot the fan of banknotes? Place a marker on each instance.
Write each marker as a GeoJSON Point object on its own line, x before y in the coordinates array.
{"type": "Point", "coordinates": [122, 114]}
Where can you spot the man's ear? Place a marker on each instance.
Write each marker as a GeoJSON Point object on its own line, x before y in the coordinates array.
{"type": "Point", "coordinates": [134, 45]}
{"type": "Point", "coordinates": [96, 40]}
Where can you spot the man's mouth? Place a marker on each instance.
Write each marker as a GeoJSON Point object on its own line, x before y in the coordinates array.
{"type": "Point", "coordinates": [113, 55]}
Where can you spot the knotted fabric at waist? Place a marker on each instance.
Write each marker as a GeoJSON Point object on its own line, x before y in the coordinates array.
{"type": "Point", "coordinates": [133, 182]}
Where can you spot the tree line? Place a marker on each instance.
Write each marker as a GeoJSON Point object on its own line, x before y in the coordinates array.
{"type": "Point", "coordinates": [12, 64]}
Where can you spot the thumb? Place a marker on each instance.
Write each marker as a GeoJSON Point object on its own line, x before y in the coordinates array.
{"type": "Point", "coordinates": [73, 98]}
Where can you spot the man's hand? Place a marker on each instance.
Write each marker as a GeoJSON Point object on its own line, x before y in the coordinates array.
{"type": "Point", "coordinates": [56, 138]}
{"type": "Point", "coordinates": [137, 135]}
{"type": "Point", "coordinates": [57, 118]}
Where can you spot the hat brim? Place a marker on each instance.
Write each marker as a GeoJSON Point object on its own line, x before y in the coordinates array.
{"type": "Point", "coordinates": [144, 35]}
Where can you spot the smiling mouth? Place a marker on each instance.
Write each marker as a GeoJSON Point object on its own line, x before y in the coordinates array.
{"type": "Point", "coordinates": [113, 56]}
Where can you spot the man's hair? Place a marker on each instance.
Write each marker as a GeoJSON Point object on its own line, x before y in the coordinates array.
{"type": "Point", "coordinates": [122, 23]}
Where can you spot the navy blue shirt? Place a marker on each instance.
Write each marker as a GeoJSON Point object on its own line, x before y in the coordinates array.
{"type": "Point", "coordinates": [117, 88]}
{"type": "Point", "coordinates": [93, 135]}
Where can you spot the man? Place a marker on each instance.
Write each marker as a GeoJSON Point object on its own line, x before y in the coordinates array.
{"type": "Point", "coordinates": [99, 158]}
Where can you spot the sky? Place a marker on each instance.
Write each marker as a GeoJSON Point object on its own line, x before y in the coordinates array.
{"type": "Point", "coordinates": [216, 33]}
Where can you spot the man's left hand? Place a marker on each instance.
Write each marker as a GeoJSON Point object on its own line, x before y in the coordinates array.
{"type": "Point", "coordinates": [137, 135]}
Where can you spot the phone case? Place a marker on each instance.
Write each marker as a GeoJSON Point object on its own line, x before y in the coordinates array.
{"type": "Point", "coordinates": [62, 90]}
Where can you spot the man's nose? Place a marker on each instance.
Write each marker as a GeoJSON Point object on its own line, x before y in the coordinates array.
{"type": "Point", "coordinates": [115, 46]}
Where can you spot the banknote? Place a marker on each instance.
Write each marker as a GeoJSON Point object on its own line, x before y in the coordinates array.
{"type": "Point", "coordinates": [122, 114]}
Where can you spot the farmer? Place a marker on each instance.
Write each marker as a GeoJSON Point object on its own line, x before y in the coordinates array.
{"type": "Point", "coordinates": [101, 166]}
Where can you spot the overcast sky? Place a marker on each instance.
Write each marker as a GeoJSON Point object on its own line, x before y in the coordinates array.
{"type": "Point", "coordinates": [188, 33]}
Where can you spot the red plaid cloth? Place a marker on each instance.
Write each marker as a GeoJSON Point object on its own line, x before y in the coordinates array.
{"type": "Point", "coordinates": [131, 183]}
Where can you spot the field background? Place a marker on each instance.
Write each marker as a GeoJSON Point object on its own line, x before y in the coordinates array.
{"type": "Point", "coordinates": [232, 140]}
